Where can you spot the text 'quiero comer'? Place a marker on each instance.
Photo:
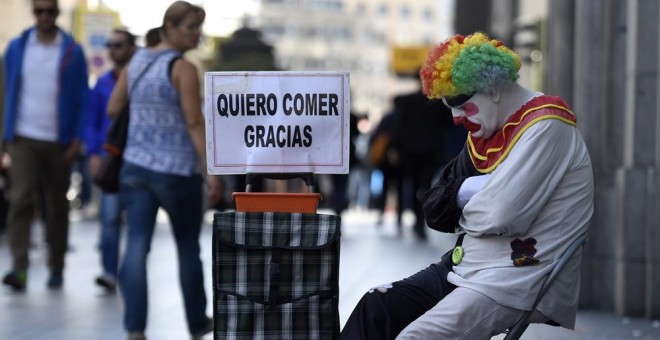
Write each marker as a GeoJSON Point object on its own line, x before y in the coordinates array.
{"type": "Point", "coordinates": [269, 104]}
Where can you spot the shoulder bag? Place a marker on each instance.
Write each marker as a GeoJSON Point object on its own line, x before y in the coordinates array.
{"type": "Point", "coordinates": [107, 177]}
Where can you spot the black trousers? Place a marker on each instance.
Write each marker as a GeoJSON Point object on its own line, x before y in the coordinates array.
{"type": "Point", "coordinates": [383, 313]}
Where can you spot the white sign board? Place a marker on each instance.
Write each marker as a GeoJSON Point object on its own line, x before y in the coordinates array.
{"type": "Point", "coordinates": [277, 122]}
{"type": "Point", "coordinates": [93, 30]}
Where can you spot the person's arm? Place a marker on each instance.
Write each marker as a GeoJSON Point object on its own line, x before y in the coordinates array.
{"type": "Point", "coordinates": [522, 184]}
{"type": "Point", "coordinates": [119, 97]}
{"type": "Point", "coordinates": [7, 60]}
{"type": "Point", "coordinates": [81, 90]}
{"type": "Point", "coordinates": [94, 136]}
{"type": "Point", "coordinates": [185, 80]}
{"type": "Point", "coordinates": [441, 207]}
{"type": "Point", "coordinates": [2, 100]}
{"type": "Point", "coordinates": [80, 96]}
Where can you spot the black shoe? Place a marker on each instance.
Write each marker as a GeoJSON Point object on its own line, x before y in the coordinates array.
{"type": "Point", "coordinates": [55, 280]}
{"type": "Point", "coordinates": [16, 280]}
{"type": "Point", "coordinates": [107, 282]}
{"type": "Point", "coordinates": [207, 330]}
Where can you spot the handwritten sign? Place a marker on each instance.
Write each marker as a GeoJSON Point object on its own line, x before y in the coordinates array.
{"type": "Point", "coordinates": [277, 122]}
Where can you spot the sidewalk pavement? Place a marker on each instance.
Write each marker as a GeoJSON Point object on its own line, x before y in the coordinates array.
{"type": "Point", "coordinates": [370, 255]}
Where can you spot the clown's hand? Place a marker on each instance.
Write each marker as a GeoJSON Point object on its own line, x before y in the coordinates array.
{"type": "Point", "coordinates": [470, 186]}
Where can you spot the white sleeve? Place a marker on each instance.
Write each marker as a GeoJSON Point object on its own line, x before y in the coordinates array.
{"type": "Point", "coordinates": [469, 187]}
{"type": "Point", "coordinates": [522, 184]}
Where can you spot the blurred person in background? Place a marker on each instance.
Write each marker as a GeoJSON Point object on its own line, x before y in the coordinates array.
{"type": "Point", "coordinates": [152, 38]}
{"type": "Point", "coordinates": [45, 94]}
{"type": "Point", "coordinates": [419, 138]}
{"type": "Point", "coordinates": [164, 160]}
{"type": "Point", "coordinates": [385, 158]}
{"type": "Point", "coordinates": [340, 181]}
{"type": "Point", "coordinates": [121, 46]}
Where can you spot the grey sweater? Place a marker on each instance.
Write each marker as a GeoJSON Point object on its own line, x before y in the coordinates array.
{"type": "Point", "coordinates": [543, 190]}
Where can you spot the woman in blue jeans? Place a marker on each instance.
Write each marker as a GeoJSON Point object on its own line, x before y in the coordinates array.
{"type": "Point", "coordinates": [163, 158]}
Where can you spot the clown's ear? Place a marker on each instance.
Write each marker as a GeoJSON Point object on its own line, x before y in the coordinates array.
{"type": "Point", "coordinates": [494, 94]}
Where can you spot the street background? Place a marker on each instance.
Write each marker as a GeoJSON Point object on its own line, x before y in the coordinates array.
{"type": "Point", "coordinates": [601, 57]}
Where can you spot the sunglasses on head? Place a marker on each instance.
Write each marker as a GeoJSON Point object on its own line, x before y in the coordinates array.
{"type": "Point", "coordinates": [456, 102]}
{"type": "Point", "coordinates": [41, 11]}
{"type": "Point", "coordinates": [114, 45]}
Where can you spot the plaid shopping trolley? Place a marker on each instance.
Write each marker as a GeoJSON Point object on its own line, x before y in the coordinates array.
{"type": "Point", "coordinates": [276, 275]}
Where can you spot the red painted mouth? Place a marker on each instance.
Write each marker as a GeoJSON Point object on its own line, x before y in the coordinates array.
{"type": "Point", "coordinates": [470, 126]}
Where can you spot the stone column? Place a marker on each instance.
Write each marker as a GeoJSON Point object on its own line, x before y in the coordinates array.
{"type": "Point", "coordinates": [616, 80]}
{"type": "Point", "coordinates": [652, 307]}
{"type": "Point", "coordinates": [502, 20]}
{"type": "Point", "coordinates": [593, 106]}
{"type": "Point", "coordinates": [558, 56]}
{"type": "Point", "coordinates": [639, 157]}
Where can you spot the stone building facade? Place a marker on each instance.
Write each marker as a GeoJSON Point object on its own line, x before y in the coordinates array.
{"type": "Point", "coordinates": [602, 57]}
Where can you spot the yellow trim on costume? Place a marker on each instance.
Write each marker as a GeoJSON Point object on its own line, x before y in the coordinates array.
{"type": "Point", "coordinates": [509, 144]}
{"type": "Point", "coordinates": [517, 136]}
{"type": "Point", "coordinates": [473, 151]}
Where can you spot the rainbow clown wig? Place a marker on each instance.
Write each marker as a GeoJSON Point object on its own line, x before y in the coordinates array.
{"type": "Point", "coordinates": [462, 65]}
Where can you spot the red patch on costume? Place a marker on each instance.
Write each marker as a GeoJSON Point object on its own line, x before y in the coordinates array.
{"type": "Point", "coordinates": [523, 252]}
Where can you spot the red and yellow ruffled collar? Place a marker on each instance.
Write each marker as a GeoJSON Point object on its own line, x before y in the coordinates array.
{"type": "Point", "coordinates": [487, 154]}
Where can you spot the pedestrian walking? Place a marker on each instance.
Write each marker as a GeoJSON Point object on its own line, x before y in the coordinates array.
{"type": "Point", "coordinates": [164, 165]}
{"type": "Point", "coordinates": [340, 201]}
{"type": "Point", "coordinates": [419, 139]}
{"type": "Point", "coordinates": [385, 158]}
{"type": "Point", "coordinates": [45, 93]}
{"type": "Point", "coordinates": [152, 37]}
{"type": "Point", "coordinates": [121, 46]}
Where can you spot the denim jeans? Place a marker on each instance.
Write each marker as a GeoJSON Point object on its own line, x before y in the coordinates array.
{"type": "Point", "coordinates": [143, 192]}
{"type": "Point", "coordinates": [110, 233]}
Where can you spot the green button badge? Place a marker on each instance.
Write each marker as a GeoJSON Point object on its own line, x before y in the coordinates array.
{"type": "Point", "coordinates": [457, 255]}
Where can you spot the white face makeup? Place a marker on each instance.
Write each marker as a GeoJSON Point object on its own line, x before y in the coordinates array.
{"type": "Point", "coordinates": [478, 114]}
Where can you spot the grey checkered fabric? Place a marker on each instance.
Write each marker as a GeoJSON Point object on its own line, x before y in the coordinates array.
{"type": "Point", "coordinates": [276, 275]}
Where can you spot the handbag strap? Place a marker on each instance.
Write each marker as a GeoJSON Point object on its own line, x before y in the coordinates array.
{"type": "Point", "coordinates": [116, 134]}
{"type": "Point", "coordinates": [145, 69]}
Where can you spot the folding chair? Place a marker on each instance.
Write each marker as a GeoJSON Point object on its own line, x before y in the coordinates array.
{"type": "Point", "coordinates": [516, 331]}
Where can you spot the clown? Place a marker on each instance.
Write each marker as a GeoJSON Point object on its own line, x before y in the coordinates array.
{"type": "Point", "coordinates": [518, 194]}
